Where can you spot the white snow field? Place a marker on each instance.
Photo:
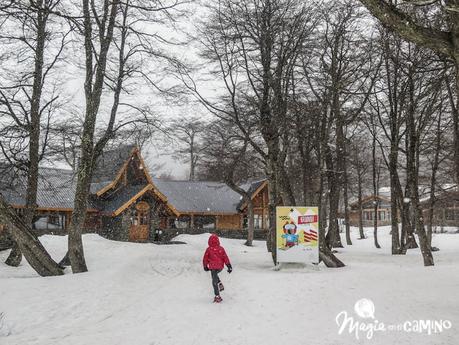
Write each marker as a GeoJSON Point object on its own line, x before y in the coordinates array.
{"type": "Point", "coordinates": [158, 294]}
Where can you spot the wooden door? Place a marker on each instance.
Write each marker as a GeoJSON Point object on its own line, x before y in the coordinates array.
{"type": "Point", "coordinates": [140, 222]}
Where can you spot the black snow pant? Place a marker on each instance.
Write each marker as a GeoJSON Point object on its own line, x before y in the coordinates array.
{"type": "Point", "coordinates": [215, 281]}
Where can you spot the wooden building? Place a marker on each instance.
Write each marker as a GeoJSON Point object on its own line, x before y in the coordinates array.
{"type": "Point", "coordinates": [446, 209]}
{"type": "Point", "coordinates": [213, 205]}
{"type": "Point", "coordinates": [126, 203]}
{"type": "Point", "coordinates": [368, 212]}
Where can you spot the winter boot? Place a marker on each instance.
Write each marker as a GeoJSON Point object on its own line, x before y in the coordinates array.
{"type": "Point", "coordinates": [220, 286]}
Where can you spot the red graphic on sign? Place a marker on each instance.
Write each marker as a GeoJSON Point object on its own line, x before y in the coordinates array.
{"type": "Point", "coordinates": [310, 236]}
{"type": "Point", "coordinates": [308, 219]}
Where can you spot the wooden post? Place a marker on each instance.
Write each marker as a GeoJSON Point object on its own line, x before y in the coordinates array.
{"type": "Point", "coordinates": [67, 220]}
{"type": "Point", "coordinates": [192, 221]}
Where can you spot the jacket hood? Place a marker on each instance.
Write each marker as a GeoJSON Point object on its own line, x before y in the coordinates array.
{"type": "Point", "coordinates": [214, 241]}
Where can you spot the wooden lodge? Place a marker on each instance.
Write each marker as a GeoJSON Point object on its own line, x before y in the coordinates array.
{"type": "Point", "coordinates": [445, 211]}
{"type": "Point", "coordinates": [127, 204]}
{"type": "Point", "coordinates": [368, 211]}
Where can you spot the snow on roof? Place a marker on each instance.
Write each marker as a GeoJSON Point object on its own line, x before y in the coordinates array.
{"type": "Point", "coordinates": [109, 164]}
{"type": "Point", "coordinates": [56, 189]}
{"type": "Point", "coordinates": [121, 197]}
{"type": "Point", "coordinates": [202, 196]}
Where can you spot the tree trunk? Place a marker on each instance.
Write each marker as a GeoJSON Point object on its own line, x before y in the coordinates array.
{"type": "Point", "coordinates": [34, 252]}
{"type": "Point", "coordinates": [359, 186]}
{"type": "Point", "coordinates": [412, 177]}
{"type": "Point", "coordinates": [396, 249]}
{"type": "Point", "coordinates": [433, 180]}
{"type": "Point", "coordinates": [375, 225]}
{"type": "Point", "coordinates": [408, 238]}
{"type": "Point", "coordinates": [93, 92]}
{"type": "Point", "coordinates": [411, 170]}
{"type": "Point", "coordinates": [376, 173]}
{"type": "Point", "coordinates": [346, 204]}
{"type": "Point", "coordinates": [333, 236]}
{"type": "Point", "coordinates": [455, 112]}
{"type": "Point", "coordinates": [285, 188]}
{"type": "Point", "coordinates": [75, 242]}
{"type": "Point", "coordinates": [250, 223]}
{"type": "Point", "coordinates": [272, 190]}
{"type": "Point", "coordinates": [15, 257]}
{"type": "Point", "coordinates": [426, 249]}
{"type": "Point", "coordinates": [325, 253]}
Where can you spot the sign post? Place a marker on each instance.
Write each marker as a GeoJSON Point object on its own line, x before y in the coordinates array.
{"type": "Point", "coordinates": [297, 234]}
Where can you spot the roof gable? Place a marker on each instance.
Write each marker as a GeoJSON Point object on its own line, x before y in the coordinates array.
{"type": "Point", "coordinates": [110, 162]}
{"type": "Point", "coordinates": [129, 168]}
{"type": "Point", "coordinates": [202, 197]}
{"type": "Point", "coordinates": [56, 189]}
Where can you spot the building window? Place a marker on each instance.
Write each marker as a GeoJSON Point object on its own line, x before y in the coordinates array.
{"type": "Point", "coordinates": [257, 221]}
{"type": "Point", "coordinates": [452, 214]}
{"type": "Point", "coordinates": [245, 222]}
{"type": "Point", "coordinates": [368, 215]}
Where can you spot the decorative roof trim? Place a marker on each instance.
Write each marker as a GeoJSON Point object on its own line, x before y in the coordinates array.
{"type": "Point", "coordinates": [209, 213]}
{"type": "Point", "coordinates": [370, 197]}
{"type": "Point", "coordinates": [147, 188]}
{"type": "Point", "coordinates": [255, 193]}
{"type": "Point", "coordinates": [132, 200]}
{"type": "Point", "coordinates": [57, 209]}
{"type": "Point", "coordinates": [119, 175]}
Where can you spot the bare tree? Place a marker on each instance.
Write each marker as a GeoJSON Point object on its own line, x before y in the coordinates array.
{"type": "Point", "coordinates": [254, 47]}
{"type": "Point", "coordinates": [359, 161]}
{"type": "Point", "coordinates": [33, 40]}
{"type": "Point", "coordinates": [340, 74]}
{"type": "Point", "coordinates": [188, 133]}
{"type": "Point", "coordinates": [111, 24]}
{"type": "Point", "coordinates": [441, 36]}
{"type": "Point", "coordinates": [230, 159]}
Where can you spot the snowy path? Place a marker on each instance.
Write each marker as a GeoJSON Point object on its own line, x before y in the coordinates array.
{"type": "Point", "coordinates": [157, 295]}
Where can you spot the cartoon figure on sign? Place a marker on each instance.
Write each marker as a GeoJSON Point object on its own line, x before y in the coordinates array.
{"type": "Point", "coordinates": [291, 238]}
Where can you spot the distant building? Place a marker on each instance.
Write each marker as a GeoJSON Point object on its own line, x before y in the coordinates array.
{"type": "Point", "coordinates": [368, 213]}
{"type": "Point", "coordinates": [446, 209]}
{"type": "Point", "coordinates": [126, 203]}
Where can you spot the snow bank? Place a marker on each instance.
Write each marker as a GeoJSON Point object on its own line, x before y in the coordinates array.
{"type": "Point", "coordinates": [150, 294]}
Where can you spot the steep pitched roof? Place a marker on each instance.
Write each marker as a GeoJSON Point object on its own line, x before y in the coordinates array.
{"type": "Point", "coordinates": [56, 189]}
{"type": "Point", "coordinates": [252, 188]}
{"type": "Point", "coordinates": [202, 196]}
{"type": "Point", "coordinates": [109, 164]}
{"type": "Point", "coordinates": [124, 195]}
{"type": "Point", "coordinates": [370, 198]}
{"type": "Point", "coordinates": [444, 199]}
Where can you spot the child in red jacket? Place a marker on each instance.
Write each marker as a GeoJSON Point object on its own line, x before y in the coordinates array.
{"type": "Point", "coordinates": [214, 260]}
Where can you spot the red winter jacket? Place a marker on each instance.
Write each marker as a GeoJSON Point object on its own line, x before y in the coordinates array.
{"type": "Point", "coordinates": [215, 256]}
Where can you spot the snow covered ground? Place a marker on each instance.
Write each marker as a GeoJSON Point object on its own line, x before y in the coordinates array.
{"type": "Point", "coordinates": [157, 295]}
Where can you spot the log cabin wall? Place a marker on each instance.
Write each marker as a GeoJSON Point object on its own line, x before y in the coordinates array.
{"type": "Point", "coordinates": [260, 209]}
{"type": "Point", "coordinates": [368, 215]}
{"type": "Point", "coordinates": [444, 217]}
{"type": "Point", "coordinates": [137, 223]}
{"type": "Point", "coordinates": [384, 217]}
{"type": "Point", "coordinates": [233, 221]}
{"type": "Point", "coordinates": [56, 221]}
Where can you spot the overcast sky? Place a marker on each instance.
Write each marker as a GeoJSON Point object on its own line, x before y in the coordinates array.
{"type": "Point", "coordinates": [157, 153]}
